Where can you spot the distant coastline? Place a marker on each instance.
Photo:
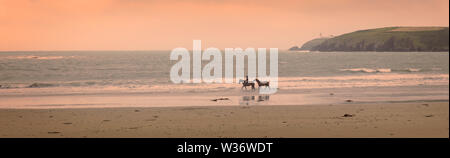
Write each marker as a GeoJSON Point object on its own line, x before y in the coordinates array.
{"type": "Point", "coordinates": [388, 39]}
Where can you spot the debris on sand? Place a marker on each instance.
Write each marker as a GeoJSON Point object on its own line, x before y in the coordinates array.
{"type": "Point", "coordinates": [348, 101]}
{"type": "Point", "coordinates": [425, 105]}
{"type": "Point", "coordinates": [53, 132]}
{"type": "Point", "coordinates": [348, 115]}
{"type": "Point", "coordinates": [220, 99]}
{"type": "Point", "coordinates": [67, 123]}
{"type": "Point", "coordinates": [331, 93]}
{"type": "Point", "coordinates": [136, 110]}
{"type": "Point", "coordinates": [428, 115]}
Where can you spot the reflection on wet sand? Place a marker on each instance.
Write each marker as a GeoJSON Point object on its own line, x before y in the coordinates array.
{"type": "Point", "coordinates": [253, 100]}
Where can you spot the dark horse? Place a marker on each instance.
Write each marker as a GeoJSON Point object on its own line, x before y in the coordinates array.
{"type": "Point", "coordinates": [246, 84]}
{"type": "Point", "coordinates": [266, 84]}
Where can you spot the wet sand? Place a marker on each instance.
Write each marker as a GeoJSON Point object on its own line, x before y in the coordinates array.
{"type": "Point", "coordinates": [415, 119]}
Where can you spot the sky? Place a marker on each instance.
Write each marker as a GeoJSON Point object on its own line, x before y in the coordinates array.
{"type": "Point", "coordinates": [33, 25]}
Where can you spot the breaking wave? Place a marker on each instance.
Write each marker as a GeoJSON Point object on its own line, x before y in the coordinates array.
{"type": "Point", "coordinates": [284, 83]}
{"type": "Point", "coordinates": [367, 70]}
{"type": "Point", "coordinates": [387, 70]}
{"type": "Point", "coordinates": [39, 85]}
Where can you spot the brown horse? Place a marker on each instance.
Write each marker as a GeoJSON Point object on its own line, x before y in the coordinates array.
{"type": "Point", "coordinates": [266, 84]}
{"type": "Point", "coordinates": [246, 84]}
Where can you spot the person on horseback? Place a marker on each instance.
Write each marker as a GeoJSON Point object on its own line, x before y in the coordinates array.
{"type": "Point", "coordinates": [246, 79]}
{"type": "Point", "coordinates": [246, 83]}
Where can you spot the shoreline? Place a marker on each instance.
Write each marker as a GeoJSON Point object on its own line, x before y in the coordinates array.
{"type": "Point", "coordinates": [373, 120]}
{"type": "Point", "coordinates": [88, 106]}
{"type": "Point", "coordinates": [235, 97]}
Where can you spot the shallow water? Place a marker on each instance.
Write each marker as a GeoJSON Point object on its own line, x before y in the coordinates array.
{"type": "Point", "coordinates": [363, 76]}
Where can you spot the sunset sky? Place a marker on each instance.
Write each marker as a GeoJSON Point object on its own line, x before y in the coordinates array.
{"type": "Point", "coordinates": [167, 24]}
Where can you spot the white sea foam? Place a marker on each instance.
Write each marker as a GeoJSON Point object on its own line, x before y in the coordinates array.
{"type": "Point", "coordinates": [285, 83]}
{"type": "Point", "coordinates": [413, 70]}
{"type": "Point", "coordinates": [385, 70]}
{"type": "Point", "coordinates": [367, 70]}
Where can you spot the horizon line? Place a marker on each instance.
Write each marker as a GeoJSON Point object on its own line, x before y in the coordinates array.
{"type": "Point", "coordinates": [80, 50]}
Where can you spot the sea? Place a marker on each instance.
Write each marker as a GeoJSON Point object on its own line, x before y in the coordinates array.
{"type": "Point", "coordinates": [91, 79]}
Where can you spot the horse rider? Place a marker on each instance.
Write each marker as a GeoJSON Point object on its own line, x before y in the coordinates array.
{"type": "Point", "coordinates": [246, 79]}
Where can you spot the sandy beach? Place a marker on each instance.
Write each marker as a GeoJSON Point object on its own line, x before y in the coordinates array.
{"type": "Point", "coordinates": [121, 94]}
{"type": "Point", "coordinates": [415, 119]}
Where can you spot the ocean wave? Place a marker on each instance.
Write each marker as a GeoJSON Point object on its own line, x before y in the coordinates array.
{"type": "Point", "coordinates": [39, 57]}
{"type": "Point", "coordinates": [436, 69]}
{"type": "Point", "coordinates": [4, 86]}
{"type": "Point", "coordinates": [39, 85]}
{"type": "Point", "coordinates": [409, 70]}
{"type": "Point", "coordinates": [284, 83]}
{"type": "Point", "coordinates": [88, 83]}
{"type": "Point", "coordinates": [367, 70]}
{"type": "Point", "coordinates": [386, 70]}
{"type": "Point", "coordinates": [374, 78]}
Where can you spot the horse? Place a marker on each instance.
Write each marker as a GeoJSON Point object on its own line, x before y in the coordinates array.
{"type": "Point", "coordinates": [265, 83]}
{"type": "Point", "coordinates": [245, 84]}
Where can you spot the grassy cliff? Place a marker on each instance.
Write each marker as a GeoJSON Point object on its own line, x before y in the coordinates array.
{"type": "Point", "coordinates": [313, 43]}
{"type": "Point", "coordinates": [388, 39]}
